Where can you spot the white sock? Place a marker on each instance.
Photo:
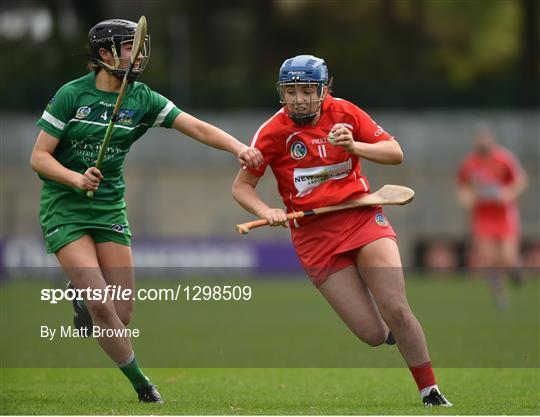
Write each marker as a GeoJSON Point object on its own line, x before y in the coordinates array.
{"type": "Point", "coordinates": [427, 390]}
{"type": "Point", "coordinates": [127, 361]}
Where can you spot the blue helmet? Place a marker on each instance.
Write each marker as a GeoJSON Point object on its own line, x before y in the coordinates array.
{"type": "Point", "coordinates": [303, 69]}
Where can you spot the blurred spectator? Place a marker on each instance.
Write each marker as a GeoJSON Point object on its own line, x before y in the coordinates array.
{"type": "Point", "coordinates": [531, 258]}
{"type": "Point", "coordinates": [440, 254]}
{"type": "Point", "coordinates": [490, 179]}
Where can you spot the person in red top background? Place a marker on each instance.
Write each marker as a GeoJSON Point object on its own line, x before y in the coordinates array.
{"type": "Point", "coordinates": [313, 145]}
{"type": "Point", "coordinates": [490, 179]}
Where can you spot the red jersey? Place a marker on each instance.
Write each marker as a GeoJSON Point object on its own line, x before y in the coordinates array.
{"type": "Point", "coordinates": [487, 176]}
{"type": "Point", "coordinates": [309, 170]}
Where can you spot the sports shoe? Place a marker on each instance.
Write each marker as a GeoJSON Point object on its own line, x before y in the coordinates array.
{"type": "Point", "coordinates": [81, 317]}
{"type": "Point", "coordinates": [435, 399]}
{"type": "Point", "coordinates": [149, 394]}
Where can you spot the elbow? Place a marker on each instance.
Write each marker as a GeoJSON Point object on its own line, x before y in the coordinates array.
{"type": "Point", "coordinates": [34, 162]}
{"type": "Point", "coordinates": [396, 154]}
{"type": "Point", "coordinates": [236, 191]}
{"type": "Point", "coordinates": [397, 157]}
{"type": "Point", "coordinates": [240, 190]}
{"type": "Point", "coordinates": [38, 161]}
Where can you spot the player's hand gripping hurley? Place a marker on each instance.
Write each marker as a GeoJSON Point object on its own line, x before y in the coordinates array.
{"type": "Point", "coordinates": [387, 195]}
{"type": "Point", "coordinates": [136, 48]}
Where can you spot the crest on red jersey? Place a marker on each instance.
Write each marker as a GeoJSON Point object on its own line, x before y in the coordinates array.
{"type": "Point", "coordinates": [298, 150]}
{"type": "Point", "coordinates": [381, 220]}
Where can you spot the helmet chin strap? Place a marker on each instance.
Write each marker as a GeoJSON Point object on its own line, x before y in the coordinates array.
{"type": "Point", "coordinates": [302, 119]}
{"type": "Point", "coordinates": [115, 70]}
{"type": "Point", "coordinates": [305, 119]}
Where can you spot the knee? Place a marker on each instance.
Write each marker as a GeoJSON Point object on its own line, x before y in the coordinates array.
{"type": "Point", "coordinates": [125, 316]}
{"type": "Point", "coordinates": [372, 337]}
{"type": "Point", "coordinates": [375, 340]}
{"type": "Point", "coordinates": [397, 315]}
{"type": "Point", "coordinates": [99, 311]}
{"type": "Point", "coordinates": [124, 309]}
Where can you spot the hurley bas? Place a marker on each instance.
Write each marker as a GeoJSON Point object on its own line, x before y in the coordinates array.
{"type": "Point", "coordinates": [50, 333]}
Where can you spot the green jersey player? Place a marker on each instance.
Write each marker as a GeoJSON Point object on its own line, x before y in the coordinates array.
{"type": "Point", "coordinates": [91, 237]}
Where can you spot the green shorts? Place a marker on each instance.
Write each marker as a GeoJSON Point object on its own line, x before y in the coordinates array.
{"type": "Point", "coordinates": [59, 237]}
{"type": "Point", "coordinates": [66, 217]}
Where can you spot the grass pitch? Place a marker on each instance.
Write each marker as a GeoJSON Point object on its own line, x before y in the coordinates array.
{"type": "Point", "coordinates": [268, 391]}
{"type": "Point", "coordinates": [284, 353]}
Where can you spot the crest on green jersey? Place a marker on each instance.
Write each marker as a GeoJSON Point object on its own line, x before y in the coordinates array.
{"type": "Point", "coordinates": [126, 116]}
{"type": "Point", "coordinates": [83, 112]}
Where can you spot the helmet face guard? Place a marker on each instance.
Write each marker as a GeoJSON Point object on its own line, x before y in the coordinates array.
{"type": "Point", "coordinates": [302, 72]}
{"type": "Point", "coordinates": [301, 118]}
{"type": "Point", "coordinates": [112, 35]}
{"type": "Point", "coordinates": [119, 67]}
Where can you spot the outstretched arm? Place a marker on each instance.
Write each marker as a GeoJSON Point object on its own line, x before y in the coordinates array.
{"type": "Point", "coordinates": [217, 138]}
{"type": "Point", "coordinates": [244, 193]}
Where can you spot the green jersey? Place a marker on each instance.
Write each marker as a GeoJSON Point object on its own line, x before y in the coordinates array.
{"type": "Point", "coordinates": [78, 116]}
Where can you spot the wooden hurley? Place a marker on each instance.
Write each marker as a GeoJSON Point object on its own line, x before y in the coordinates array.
{"type": "Point", "coordinates": [387, 195]}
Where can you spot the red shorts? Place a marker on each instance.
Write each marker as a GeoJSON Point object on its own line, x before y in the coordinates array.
{"type": "Point", "coordinates": [496, 225]}
{"type": "Point", "coordinates": [328, 243]}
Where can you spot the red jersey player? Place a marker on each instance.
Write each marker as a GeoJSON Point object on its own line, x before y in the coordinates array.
{"type": "Point", "coordinates": [489, 181]}
{"type": "Point", "coordinates": [313, 146]}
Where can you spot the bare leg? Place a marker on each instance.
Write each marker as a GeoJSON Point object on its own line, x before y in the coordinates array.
{"type": "Point", "coordinates": [511, 259]}
{"type": "Point", "coordinates": [116, 263]}
{"type": "Point", "coordinates": [379, 265]}
{"type": "Point", "coordinates": [372, 296]}
{"type": "Point", "coordinates": [79, 260]}
{"type": "Point", "coordinates": [490, 257]}
{"type": "Point", "coordinates": [352, 301]}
